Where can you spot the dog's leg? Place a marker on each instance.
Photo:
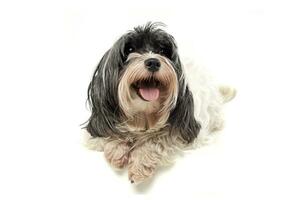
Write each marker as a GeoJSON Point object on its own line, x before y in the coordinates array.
{"type": "Point", "coordinates": [117, 153]}
{"type": "Point", "coordinates": [145, 159]}
{"type": "Point", "coordinates": [228, 93]}
{"type": "Point", "coordinates": [215, 111]}
{"type": "Point", "coordinates": [92, 143]}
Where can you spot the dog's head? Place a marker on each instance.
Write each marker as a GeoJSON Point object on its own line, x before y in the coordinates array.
{"type": "Point", "coordinates": [139, 84]}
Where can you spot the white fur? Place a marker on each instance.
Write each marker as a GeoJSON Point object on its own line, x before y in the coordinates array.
{"type": "Point", "coordinates": [92, 143]}
{"type": "Point", "coordinates": [207, 100]}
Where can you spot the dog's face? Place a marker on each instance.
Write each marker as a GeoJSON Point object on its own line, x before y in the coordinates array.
{"type": "Point", "coordinates": [140, 79]}
{"type": "Point", "coordinates": [148, 79]}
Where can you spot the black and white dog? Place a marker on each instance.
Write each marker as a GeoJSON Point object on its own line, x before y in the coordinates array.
{"type": "Point", "coordinates": [146, 105]}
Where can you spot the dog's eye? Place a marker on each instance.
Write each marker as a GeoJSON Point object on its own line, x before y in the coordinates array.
{"type": "Point", "coordinates": [162, 51]}
{"type": "Point", "coordinates": [165, 52]}
{"type": "Point", "coordinates": [129, 50]}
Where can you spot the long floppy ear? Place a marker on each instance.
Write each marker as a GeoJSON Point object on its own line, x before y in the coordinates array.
{"type": "Point", "coordinates": [182, 118]}
{"type": "Point", "coordinates": [102, 94]}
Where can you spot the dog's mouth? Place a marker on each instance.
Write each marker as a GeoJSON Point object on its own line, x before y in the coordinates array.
{"type": "Point", "coordinates": [148, 90]}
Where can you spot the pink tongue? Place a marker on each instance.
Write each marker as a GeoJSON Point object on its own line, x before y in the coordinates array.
{"type": "Point", "coordinates": [149, 94]}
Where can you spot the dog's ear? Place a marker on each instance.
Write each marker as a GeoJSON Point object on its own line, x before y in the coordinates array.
{"type": "Point", "coordinates": [102, 94]}
{"type": "Point", "coordinates": [182, 119]}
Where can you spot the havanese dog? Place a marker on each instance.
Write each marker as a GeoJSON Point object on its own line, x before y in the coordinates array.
{"type": "Point", "coordinates": [146, 105]}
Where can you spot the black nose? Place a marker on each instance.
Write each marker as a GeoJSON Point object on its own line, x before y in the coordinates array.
{"type": "Point", "coordinates": [152, 64]}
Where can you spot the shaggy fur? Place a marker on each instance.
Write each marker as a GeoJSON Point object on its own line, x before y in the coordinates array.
{"type": "Point", "coordinates": [145, 134]}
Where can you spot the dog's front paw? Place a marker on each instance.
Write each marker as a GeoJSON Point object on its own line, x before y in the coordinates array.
{"type": "Point", "coordinates": [139, 173]}
{"type": "Point", "coordinates": [117, 154]}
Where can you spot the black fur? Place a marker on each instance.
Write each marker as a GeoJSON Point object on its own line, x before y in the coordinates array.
{"type": "Point", "coordinates": [102, 95]}
{"type": "Point", "coordinates": [102, 92]}
{"type": "Point", "coordinates": [182, 118]}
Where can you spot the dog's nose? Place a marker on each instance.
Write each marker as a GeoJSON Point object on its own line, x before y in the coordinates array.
{"type": "Point", "coordinates": [152, 64]}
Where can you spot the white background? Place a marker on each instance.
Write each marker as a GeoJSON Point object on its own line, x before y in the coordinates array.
{"type": "Point", "coordinates": [49, 49]}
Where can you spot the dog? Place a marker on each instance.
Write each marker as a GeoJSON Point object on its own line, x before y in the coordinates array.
{"type": "Point", "coordinates": [144, 105]}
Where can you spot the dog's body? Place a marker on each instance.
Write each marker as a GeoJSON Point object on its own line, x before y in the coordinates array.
{"type": "Point", "coordinates": [146, 105]}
